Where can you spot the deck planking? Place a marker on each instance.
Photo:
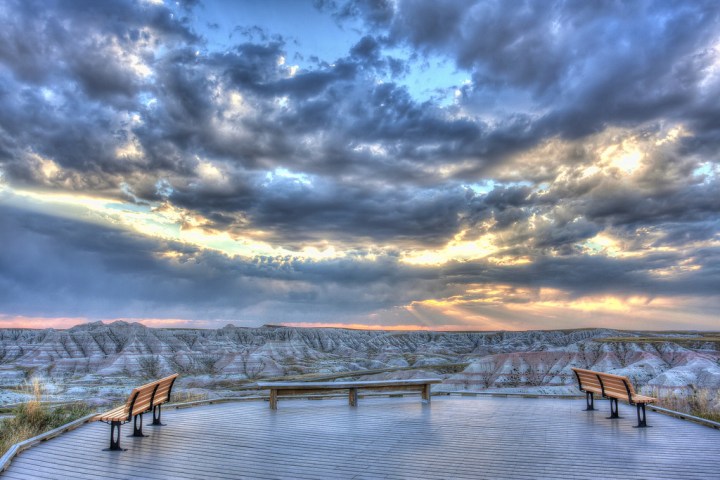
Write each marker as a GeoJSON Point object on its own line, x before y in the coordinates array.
{"type": "Point", "coordinates": [454, 438]}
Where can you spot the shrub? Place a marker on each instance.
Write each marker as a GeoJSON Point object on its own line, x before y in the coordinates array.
{"type": "Point", "coordinates": [700, 402]}
{"type": "Point", "coordinates": [186, 396]}
{"type": "Point", "coordinates": [150, 366]}
{"type": "Point", "coordinates": [35, 417]}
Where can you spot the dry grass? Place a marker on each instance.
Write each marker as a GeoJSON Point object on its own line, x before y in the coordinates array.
{"type": "Point", "coordinates": [700, 402]}
{"type": "Point", "coordinates": [186, 396]}
{"type": "Point", "coordinates": [34, 417]}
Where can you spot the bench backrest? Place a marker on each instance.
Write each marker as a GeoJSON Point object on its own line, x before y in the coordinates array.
{"type": "Point", "coordinates": [145, 397]}
{"type": "Point", "coordinates": [617, 386]}
{"type": "Point", "coordinates": [607, 384]}
{"type": "Point", "coordinates": [588, 380]}
{"type": "Point", "coordinates": [162, 394]}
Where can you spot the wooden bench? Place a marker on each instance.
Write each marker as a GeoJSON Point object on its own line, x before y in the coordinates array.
{"type": "Point", "coordinates": [614, 388]}
{"type": "Point", "coordinates": [143, 399]}
{"type": "Point", "coordinates": [278, 389]}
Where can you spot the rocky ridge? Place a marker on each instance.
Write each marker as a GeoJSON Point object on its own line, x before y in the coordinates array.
{"type": "Point", "coordinates": [93, 355]}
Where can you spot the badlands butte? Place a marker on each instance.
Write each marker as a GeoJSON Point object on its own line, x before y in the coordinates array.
{"type": "Point", "coordinates": [99, 362]}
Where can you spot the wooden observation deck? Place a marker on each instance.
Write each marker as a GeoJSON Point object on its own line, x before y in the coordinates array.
{"type": "Point", "coordinates": [453, 438]}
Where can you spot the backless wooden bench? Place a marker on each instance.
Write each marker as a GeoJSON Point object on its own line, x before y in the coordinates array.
{"type": "Point", "coordinates": [614, 388]}
{"type": "Point", "coordinates": [143, 399]}
{"type": "Point", "coordinates": [278, 389]}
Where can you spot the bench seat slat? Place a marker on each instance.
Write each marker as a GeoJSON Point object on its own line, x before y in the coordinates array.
{"type": "Point", "coordinates": [643, 399]}
{"type": "Point", "coordinates": [346, 385]}
{"type": "Point", "coordinates": [116, 414]}
{"type": "Point", "coordinates": [302, 391]}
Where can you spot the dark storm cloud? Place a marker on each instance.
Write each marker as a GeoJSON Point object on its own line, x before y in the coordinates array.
{"type": "Point", "coordinates": [92, 86]}
{"type": "Point", "coordinates": [298, 211]}
{"type": "Point", "coordinates": [566, 68]}
{"type": "Point", "coordinates": [68, 268]}
{"type": "Point", "coordinates": [592, 275]}
{"type": "Point", "coordinates": [68, 84]}
{"type": "Point", "coordinates": [179, 108]}
{"type": "Point", "coordinates": [84, 144]}
{"type": "Point", "coordinates": [42, 40]}
{"type": "Point", "coordinates": [666, 194]}
{"type": "Point", "coordinates": [621, 207]}
{"type": "Point", "coordinates": [585, 64]}
{"type": "Point", "coordinates": [677, 214]}
{"type": "Point", "coordinates": [59, 265]}
{"type": "Point", "coordinates": [356, 213]}
{"type": "Point", "coordinates": [573, 58]}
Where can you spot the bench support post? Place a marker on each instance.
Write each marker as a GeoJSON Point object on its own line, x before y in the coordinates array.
{"type": "Point", "coordinates": [614, 412]}
{"type": "Point", "coordinates": [590, 400]}
{"type": "Point", "coordinates": [273, 399]}
{"type": "Point", "coordinates": [353, 397]}
{"type": "Point", "coordinates": [137, 430]}
{"type": "Point", "coordinates": [115, 437]}
{"type": "Point", "coordinates": [426, 392]}
{"type": "Point", "coordinates": [157, 411]}
{"type": "Point", "coordinates": [642, 421]}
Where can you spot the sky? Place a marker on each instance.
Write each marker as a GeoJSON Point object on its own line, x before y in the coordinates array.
{"type": "Point", "coordinates": [425, 164]}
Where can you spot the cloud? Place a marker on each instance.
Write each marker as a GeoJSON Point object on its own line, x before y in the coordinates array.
{"type": "Point", "coordinates": [374, 12]}
{"type": "Point", "coordinates": [570, 68]}
{"type": "Point", "coordinates": [50, 265]}
{"type": "Point", "coordinates": [579, 154]}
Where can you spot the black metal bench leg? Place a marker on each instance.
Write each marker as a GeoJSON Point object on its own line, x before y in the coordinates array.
{"type": "Point", "coordinates": [137, 430]}
{"type": "Point", "coordinates": [642, 420]}
{"type": "Point", "coordinates": [590, 400]}
{"type": "Point", "coordinates": [115, 437]}
{"type": "Point", "coordinates": [156, 416]}
{"type": "Point", "coordinates": [614, 412]}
